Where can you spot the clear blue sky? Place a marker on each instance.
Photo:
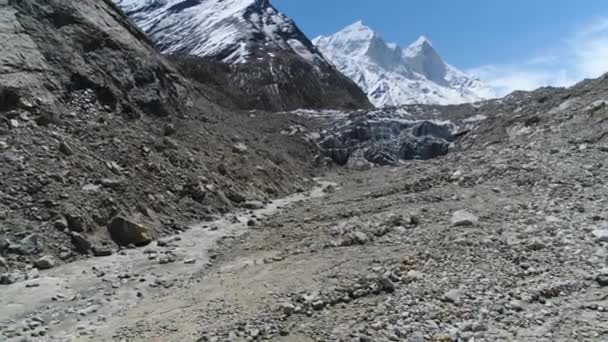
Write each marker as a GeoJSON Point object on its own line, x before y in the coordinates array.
{"type": "Point", "coordinates": [468, 33]}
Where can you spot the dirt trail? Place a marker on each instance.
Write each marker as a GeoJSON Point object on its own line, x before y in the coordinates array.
{"type": "Point", "coordinates": [77, 299]}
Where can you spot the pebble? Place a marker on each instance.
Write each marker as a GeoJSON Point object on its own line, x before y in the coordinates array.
{"type": "Point", "coordinates": [453, 296]}
{"type": "Point", "coordinates": [88, 310]}
{"type": "Point", "coordinates": [287, 308]}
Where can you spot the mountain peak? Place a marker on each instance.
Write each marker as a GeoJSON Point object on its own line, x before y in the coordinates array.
{"type": "Point", "coordinates": [422, 46]}
{"type": "Point", "coordinates": [422, 40]}
{"type": "Point", "coordinates": [357, 31]}
{"type": "Point", "coordinates": [391, 75]}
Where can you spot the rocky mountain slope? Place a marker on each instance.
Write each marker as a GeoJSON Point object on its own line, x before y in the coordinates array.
{"type": "Point", "coordinates": [502, 239]}
{"type": "Point", "coordinates": [105, 147]}
{"type": "Point", "coordinates": [269, 61]}
{"type": "Point", "coordinates": [103, 143]}
{"type": "Point", "coordinates": [391, 75]}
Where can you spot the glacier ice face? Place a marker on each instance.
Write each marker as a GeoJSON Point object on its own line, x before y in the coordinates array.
{"type": "Point", "coordinates": [393, 76]}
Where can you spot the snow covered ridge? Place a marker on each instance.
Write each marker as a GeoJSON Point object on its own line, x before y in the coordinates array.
{"type": "Point", "coordinates": [392, 76]}
{"type": "Point", "coordinates": [232, 31]}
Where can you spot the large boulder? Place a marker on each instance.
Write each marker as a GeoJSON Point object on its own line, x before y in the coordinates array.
{"type": "Point", "coordinates": [126, 232]}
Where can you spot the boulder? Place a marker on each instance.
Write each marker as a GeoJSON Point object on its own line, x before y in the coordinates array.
{"type": "Point", "coordinates": [102, 251]}
{"type": "Point", "coordinates": [45, 263]}
{"type": "Point", "coordinates": [125, 232]}
{"type": "Point", "coordinates": [75, 222]}
{"type": "Point", "coordinates": [81, 243]}
{"type": "Point", "coordinates": [27, 245]}
{"type": "Point", "coordinates": [253, 205]}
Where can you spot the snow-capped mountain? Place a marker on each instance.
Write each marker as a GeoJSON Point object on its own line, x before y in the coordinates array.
{"type": "Point", "coordinates": [272, 64]}
{"type": "Point", "coordinates": [232, 31]}
{"type": "Point", "coordinates": [391, 75]}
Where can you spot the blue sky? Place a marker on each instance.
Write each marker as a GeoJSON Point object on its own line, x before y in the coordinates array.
{"type": "Point", "coordinates": [511, 44]}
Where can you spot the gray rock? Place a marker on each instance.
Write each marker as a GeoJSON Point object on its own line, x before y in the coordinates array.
{"type": "Point", "coordinates": [169, 129]}
{"type": "Point", "coordinates": [61, 224]}
{"type": "Point", "coordinates": [253, 205]}
{"type": "Point", "coordinates": [453, 296]}
{"type": "Point", "coordinates": [601, 234]}
{"type": "Point", "coordinates": [45, 263]}
{"type": "Point", "coordinates": [7, 279]}
{"type": "Point", "coordinates": [254, 333]}
{"type": "Point", "coordinates": [365, 338]}
{"type": "Point", "coordinates": [287, 308]}
{"type": "Point", "coordinates": [102, 251]}
{"type": "Point", "coordinates": [80, 242]}
{"type": "Point", "coordinates": [125, 232]}
{"type": "Point", "coordinates": [318, 305]}
{"type": "Point", "coordinates": [602, 279]}
{"type": "Point", "coordinates": [88, 310]}
{"type": "Point", "coordinates": [386, 284]}
{"type": "Point", "coordinates": [416, 337]}
{"type": "Point", "coordinates": [463, 218]}
{"type": "Point", "coordinates": [359, 238]}
{"type": "Point", "coordinates": [28, 245]}
{"type": "Point", "coordinates": [66, 149]}
{"type": "Point", "coordinates": [75, 222]}
{"type": "Point", "coordinates": [5, 243]}
{"type": "Point", "coordinates": [239, 148]}
{"type": "Point", "coordinates": [170, 143]}
{"type": "Point", "coordinates": [167, 241]}
{"type": "Point", "coordinates": [472, 326]}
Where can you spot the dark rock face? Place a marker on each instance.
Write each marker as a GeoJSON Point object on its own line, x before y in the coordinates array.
{"type": "Point", "coordinates": [384, 139]}
{"type": "Point", "coordinates": [284, 82]}
{"type": "Point", "coordinates": [53, 49]}
{"type": "Point", "coordinates": [257, 56]}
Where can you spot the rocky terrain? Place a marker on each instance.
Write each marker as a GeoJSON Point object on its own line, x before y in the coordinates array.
{"type": "Point", "coordinates": [103, 144]}
{"type": "Point", "coordinates": [260, 57]}
{"type": "Point", "coordinates": [135, 208]}
{"type": "Point", "coordinates": [502, 239]}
